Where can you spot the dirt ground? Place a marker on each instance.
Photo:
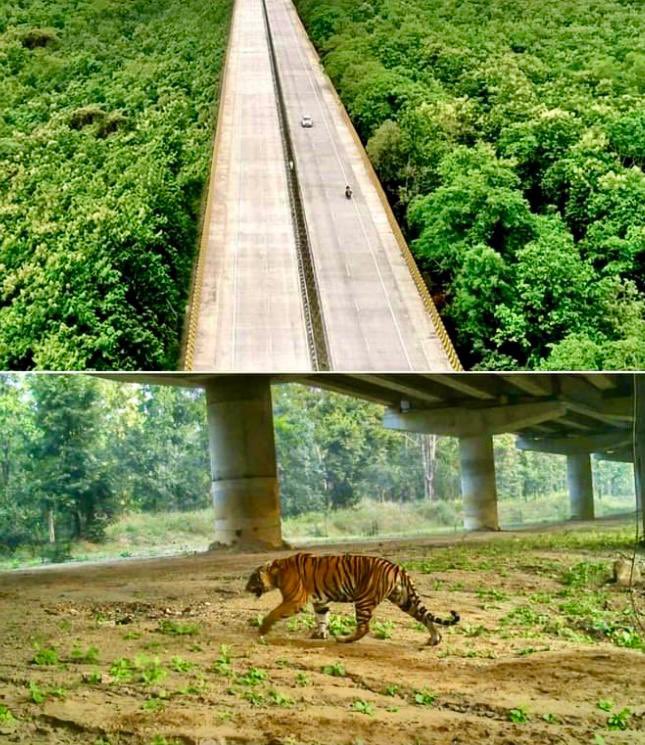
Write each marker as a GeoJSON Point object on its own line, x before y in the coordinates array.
{"type": "Point", "coordinates": [177, 658]}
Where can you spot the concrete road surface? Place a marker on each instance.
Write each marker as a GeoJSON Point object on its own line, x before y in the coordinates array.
{"type": "Point", "coordinates": [248, 314]}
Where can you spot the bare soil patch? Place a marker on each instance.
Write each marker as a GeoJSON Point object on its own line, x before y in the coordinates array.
{"type": "Point", "coordinates": [177, 659]}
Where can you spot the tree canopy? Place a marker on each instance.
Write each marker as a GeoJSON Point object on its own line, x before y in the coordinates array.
{"type": "Point", "coordinates": [106, 118]}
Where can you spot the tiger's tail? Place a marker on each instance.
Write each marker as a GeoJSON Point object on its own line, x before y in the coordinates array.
{"type": "Point", "coordinates": [410, 602]}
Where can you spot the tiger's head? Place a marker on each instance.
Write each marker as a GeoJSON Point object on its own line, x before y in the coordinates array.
{"type": "Point", "coordinates": [262, 579]}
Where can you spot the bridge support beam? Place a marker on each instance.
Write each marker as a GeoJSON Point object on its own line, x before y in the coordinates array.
{"type": "Point", "coordinates": [580, 483]}
{"type": "Point", "coordinates": [243, 462]}
{"type": "Point", "coordinates": [478, 485]}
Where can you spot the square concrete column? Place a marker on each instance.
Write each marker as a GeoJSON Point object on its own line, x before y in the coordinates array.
{"type": "Point", "coordinates": [243, 462]}
{"type": "Point", "coordinates": [478, 487]}
{"type": "Point", "coordinates": [639, 446]}
{"type": "Point", "coordinates": [580, 483]}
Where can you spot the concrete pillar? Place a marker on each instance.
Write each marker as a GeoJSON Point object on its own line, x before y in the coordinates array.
{"type": "Point", "coordinates": [478, 488]}
{"type": "Point", "coordinates": [639, 446]}
{"type": "Point", "coordinates": [243, 462]}
{"type": "Point", "coordinates": [580, 483]}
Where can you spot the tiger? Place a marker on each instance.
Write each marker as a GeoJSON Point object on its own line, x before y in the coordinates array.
{"type": "Point", "coordinates": [346, 578]}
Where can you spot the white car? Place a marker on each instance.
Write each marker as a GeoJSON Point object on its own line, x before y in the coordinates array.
{"type": "Point", "coordinates": [306, 122]}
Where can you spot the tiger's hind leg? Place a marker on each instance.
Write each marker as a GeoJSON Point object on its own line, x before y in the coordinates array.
{"type": "Point", "coordinates": [410, 603]}
{"type": "Point", "coordinates": [322, 618]}
{"type": "Point", "coordinates": [364, 610]}
{"type": "Point", "coordinates": [284, 610]}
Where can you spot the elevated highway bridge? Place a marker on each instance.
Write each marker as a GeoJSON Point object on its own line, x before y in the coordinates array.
{"type": "Point", "coordinates": [291, 274]}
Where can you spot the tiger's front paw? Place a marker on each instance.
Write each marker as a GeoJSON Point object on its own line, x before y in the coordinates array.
{"type": "Point", "coordinates": [319, 634]}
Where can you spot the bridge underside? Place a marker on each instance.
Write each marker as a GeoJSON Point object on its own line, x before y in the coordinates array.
{"type": "Point", "coordinates": [569, 414]}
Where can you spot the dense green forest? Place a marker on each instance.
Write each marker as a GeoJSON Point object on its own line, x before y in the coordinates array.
{"type": "Point", "coordinates": [510, 138]}
{"type": "Point", "coordinates": [106, 118]}
{"type": "Point", "coordinates": [77, 454]}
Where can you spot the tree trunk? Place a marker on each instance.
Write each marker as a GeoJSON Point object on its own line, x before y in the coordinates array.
{"type": "Point", "coordinates": [428, 455]}
{"type": "Point", "coordinates": [78, 526]}
{"type": "Point", "coordinates": [50, 523]}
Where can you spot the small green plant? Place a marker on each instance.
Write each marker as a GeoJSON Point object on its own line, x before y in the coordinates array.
{"type": "Point", "coordinates": [254, 698]}
{"type": "Point", "coordinates": [392, 689]}
{"type": "Point", "coordinates": [57, 692]}
{"type": "Point", "coordinates": [302, 679]}
{"type": "Point", "coordinates": [93, 677]}
{"type": "Point", "coordinates": [619, 720]}
{"type": "Point", "coordinates": [301, 622]}
{"type": "Point", "coordinates": [224, 716]}
{"type": "Point", "coordinates": [336, 669]}
{"type": "Point", "coordinates": [180, 665]}
{"type": "Point", "coordinates": [256, 621]}
{"type": "Point", "coordinates": [36, 694]}
{"type": "Point", "coordinates": [363, 707]}
{"type": "Point", "coordinates": [121, 670]}
{"type": "Point", "coordinates": [153, 704]}
{"type": "Point", "coordinates": [173, 628]}
{"type": "Point", "coordinates": [341, 625]}
{"type": "Point", "coordinates": [252, 677]}
{"type": "Point", "coordinates": [424, 698]}
{"type": "Point", "coordinates": [550, 718]}
{"type": "Point", "coordinates": [585, 573]}
{"type": "Point", "coordinates": [150, 670]}
{"type": "Point", "coordinates": [6, 717]}
{"type": "Point", "coordinates": [627, 637]}
{"type": "Point", "coordinates": [90, 656]}
{"type": "Point", "coordinates": [197, 688]}
{"type": "Point", "coordinates": [518, 715]}
{"type": "Point", "coordinates": [491, 594]}
{"type": "Point", "coordinates": [543, 598]}
{"type": "Point", "coordinates": [132, 635]}
{"type": "Point", "coordinates": [222, 665]}
{"type": "Point", "coordinates": [279, 699]}
{"type": "Point", "coordinates": [524, 616]}
{"type": "Point", "coordinates": [45, 656]}
{"type": "Point", "coordinates": [605, 705]}
{"type": "Point", "coordinates": [473, 631]}
{"type": "Point", "coordinates": [383, 629]}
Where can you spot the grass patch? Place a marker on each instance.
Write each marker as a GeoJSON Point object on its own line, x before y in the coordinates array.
{"type": "Point", "coordinates": [6, 717]}
{"type": "Point", "coordinates": [45, 656]}
{"type": "Point", "coordinates": [174, 628]}
{"type": "Point", "coordinates": [336, 670]}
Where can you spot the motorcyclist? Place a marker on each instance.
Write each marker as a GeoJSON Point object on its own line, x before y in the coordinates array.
{"type": "Point", "coordinates": [348, 191]}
